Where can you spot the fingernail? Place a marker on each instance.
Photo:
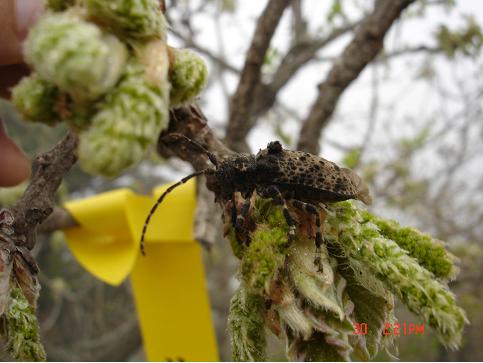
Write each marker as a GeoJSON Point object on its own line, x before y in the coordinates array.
{"type": "Point", "coordinates": [26, 13]}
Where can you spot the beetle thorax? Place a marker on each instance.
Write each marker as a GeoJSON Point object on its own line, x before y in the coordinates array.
{"type": "Point", "coordinates": [235, 171]}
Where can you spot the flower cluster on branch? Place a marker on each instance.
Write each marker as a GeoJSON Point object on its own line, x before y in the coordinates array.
{"type": "Point", "coordinates": [312, 297]}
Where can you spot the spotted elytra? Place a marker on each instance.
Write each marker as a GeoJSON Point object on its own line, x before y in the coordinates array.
{"type": "Point", "coordinates": [304, 179]}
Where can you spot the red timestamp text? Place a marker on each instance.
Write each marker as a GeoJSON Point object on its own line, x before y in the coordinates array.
{"type": "Point", "coordinates": [392, 329]}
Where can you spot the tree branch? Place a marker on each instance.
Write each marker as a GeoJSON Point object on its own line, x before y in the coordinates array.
{"type": "Point", "coordinates": [190, 121]}
{"type": "Point", "coordinates": [243, 97]}
{"type": "Point", "coordinates": [299, 23]}
{"type": "Point", "coordinates": [298, 55]}
{"type": "Point", "coordinates": [60, 218]}
{"type": "Point", "coordinates": [187, 120]}
{"type": "Point", "coordinates": [364, 47]}
{"type": "Point", "coordinates": [37, 202]}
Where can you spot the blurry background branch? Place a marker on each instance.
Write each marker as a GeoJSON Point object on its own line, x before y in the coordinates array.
{"type": "Point", "coordinates": [251, 73]}
{"type": "Point", "coordinates": [364, 47]}
{"type": "Point", "coordinates": [301, 52]}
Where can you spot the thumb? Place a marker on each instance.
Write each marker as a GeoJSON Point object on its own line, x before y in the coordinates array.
{"type": "Point", "coordinates": [14, 165]}
{"type": "Point", "coordinates": [16, 17]}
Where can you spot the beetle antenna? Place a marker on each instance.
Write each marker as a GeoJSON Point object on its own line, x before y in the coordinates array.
{"type": "Point", "coordinates": [160, 200]}
{"type": "Point", "coordinates": [210, 155]}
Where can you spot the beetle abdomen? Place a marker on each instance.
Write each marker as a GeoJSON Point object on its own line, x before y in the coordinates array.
{"type": "Point", "coordinates": [322, 178]}
{"type": "Point", "coordinates": [311, 195]}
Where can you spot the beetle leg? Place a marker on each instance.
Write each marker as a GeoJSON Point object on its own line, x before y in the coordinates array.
{"type": "Point", "coordinates": [277, 197]}
{"type": "Point", "coordinates": [233, 210]}
{"type": "Point", "coordinates": [312, 209]}
{"type": "Point", "coordinates": [240, 218]}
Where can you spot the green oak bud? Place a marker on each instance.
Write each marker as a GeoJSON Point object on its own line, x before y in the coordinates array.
{"type": "Point", "coordinates": [132, 18]}
{"type": "Point", "coordinates": [75, 55]}
{"type": "Point", "coordinates": [103, 152]}
{"type": "Point", "coordinates": [187, 75]}
{"type": "Point", "coordinates": [315, 294]}
{"type": "Point", "coordinates": [135, 108]}
{"type": "Point", "coordinates": [36, 100]}
{"type": "Point", "coordinates": [130, 119]}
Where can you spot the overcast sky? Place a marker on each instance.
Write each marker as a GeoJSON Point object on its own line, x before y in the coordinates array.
{"type": "Point", "coordinates": [415, 99]}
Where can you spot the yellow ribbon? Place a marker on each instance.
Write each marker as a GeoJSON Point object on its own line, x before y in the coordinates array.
{"type": "Point", "coordinates": [168, 283]}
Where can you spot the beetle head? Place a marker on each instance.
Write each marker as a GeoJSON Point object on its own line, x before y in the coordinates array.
{"type": "Point", "coordinates": [267, 160]}
{"type": "Point", "coordinates": [274, 148]}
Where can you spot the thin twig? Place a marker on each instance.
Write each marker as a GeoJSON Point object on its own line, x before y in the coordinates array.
{"type": "Point", "coordinates": [60, 218]}
{"type": "Point", "coordinates": [38, 201]}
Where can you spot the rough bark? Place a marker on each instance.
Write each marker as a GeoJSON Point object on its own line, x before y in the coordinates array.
{"type": "Point", "coordinates": [38, 201]}
{"type": "Point", "coordinates": [190, 121]}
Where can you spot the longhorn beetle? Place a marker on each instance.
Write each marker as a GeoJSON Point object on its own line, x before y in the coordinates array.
{"type": "Point", "coordinates": [276, 173]}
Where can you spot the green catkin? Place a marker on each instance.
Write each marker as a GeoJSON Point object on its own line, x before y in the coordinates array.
{"type": "Point", "coordinates": [401, 273]}
{"type": "Point", "coordinates": [75, 55]}
{"type": "Point", "coordinates": [187, 75]}
{"type": "Point", "coordinates": [131, 18]}
{"type": "Point", "coordinates": [246, 326]}
{"type": "Point", "coordinates": [430, 253]}
{"type": "Point", "coordinates": [36, 100]}
{"type": "Point", "coordinates": [130, 119]}
{"type": "Point", "coordinates": [22, 329]}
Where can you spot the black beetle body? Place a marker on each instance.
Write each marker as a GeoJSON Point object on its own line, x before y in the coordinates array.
{"type": "Point", "coordinates": [304, 179]}
{"type": "Point", "coordinates": [298, 175]}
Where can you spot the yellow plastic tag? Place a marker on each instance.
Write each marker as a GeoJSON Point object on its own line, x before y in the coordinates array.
{"type": "Point", "coordinates": [168, 283]}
